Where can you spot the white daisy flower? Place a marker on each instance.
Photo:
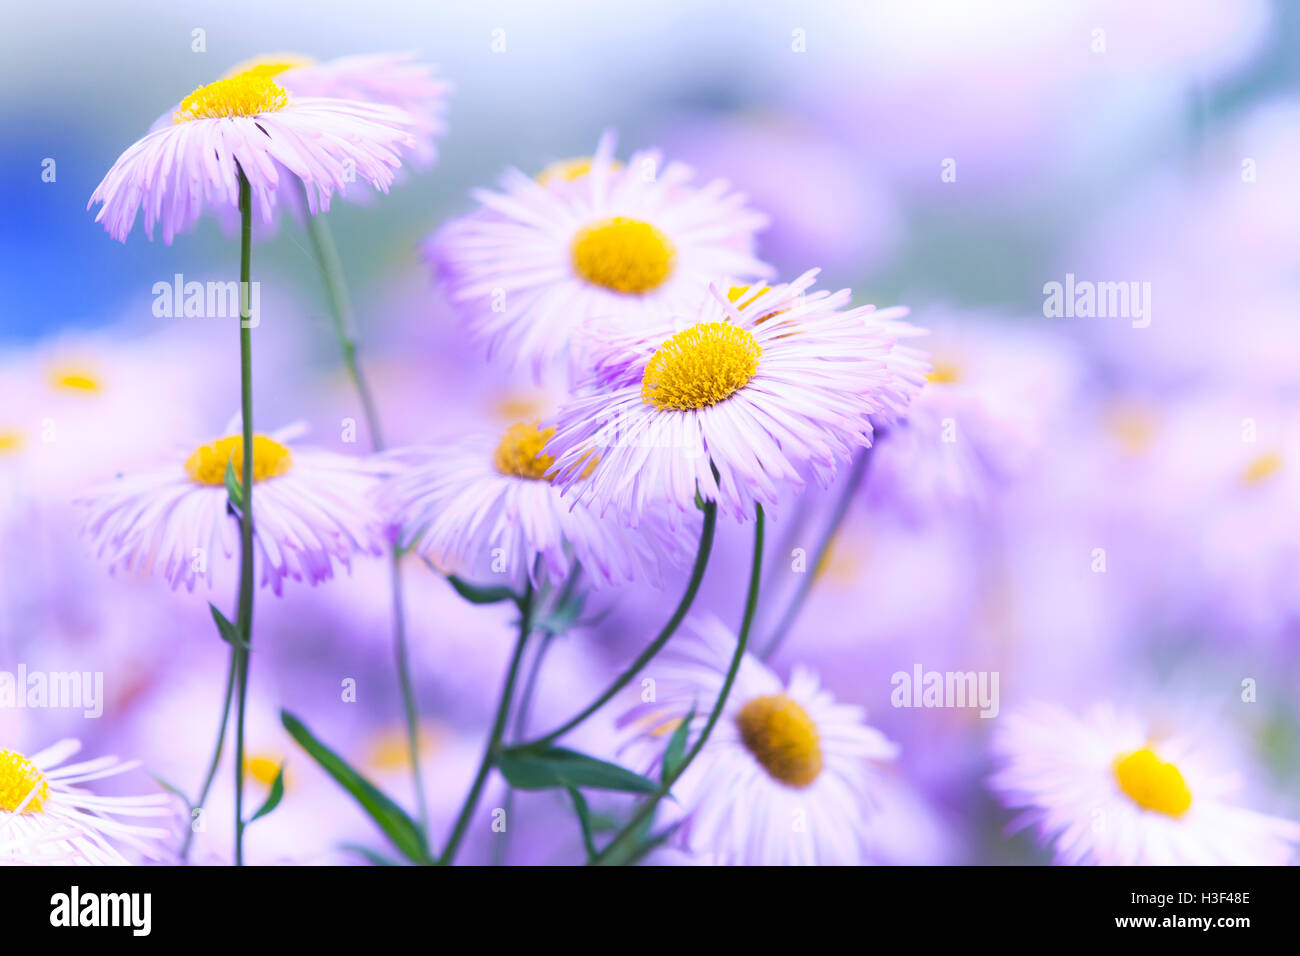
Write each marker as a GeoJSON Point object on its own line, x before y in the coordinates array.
{"type": "Point", "coordinates": [1114, 790]}
{"type": "Point", "coordinates": [786, 776]}
{"type": "Point", "coordinates": [485, 508]}
{"type": "Point", "coordinates": [310, 511]}
{"type": "Point", "coordinates": [598, 245]}
{"type": "Point", "coordinates": [47, 819]}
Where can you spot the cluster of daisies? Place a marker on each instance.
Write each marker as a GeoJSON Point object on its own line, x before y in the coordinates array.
{"type": "Point", "coordinates": [696, 381]}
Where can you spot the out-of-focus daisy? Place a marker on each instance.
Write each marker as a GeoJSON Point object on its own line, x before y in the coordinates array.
{"type": "Point", "coordinates": [615, 247]}
{"type": "Point", "coordinates": [386, 79]}
{"type": "Point", "coordinates": [249, 122]}
{"type": "Point", "coordinates": [763, 389]}
{"type": "Point", "coordinates": [786, 777]}
{"type": "Point", "coordinates": [486, 508]}
{"type": "Point", "coordinates": [311, 510]}
{"type": "Point", "coordinates": [1115, 790]}
{"type": "Point", "coordinates": [47, 818]}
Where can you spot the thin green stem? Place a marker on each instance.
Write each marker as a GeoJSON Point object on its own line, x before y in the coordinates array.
{"type": "Point", "coordinates": [683, 606]}
{"type": "Point", "coordinates": [216, 755]}
{"type": "Point", "coordinates": [517, 730]}
{"type": "Point", "coordinates": [628, 834]}
{"type": "Point", "coordinates": [244, 620]}
{"type": "Point", "coordinates": [498, 732]}
{"type": "Point", "coordinates": [340, 301]}
{"type": "Point", "coordinates": [856, 476]}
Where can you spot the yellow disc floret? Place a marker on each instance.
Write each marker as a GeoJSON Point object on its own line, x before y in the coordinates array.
{"type": "Point", "coordinates": [1153, 784]}
{"type": "Point", "coordinates": [520, 452]}
{"type": "Point", "coordinates": [944, 373]}
{"type": "Point", "coordinates": [625, 255]}
{"type": "Point", "coordinates": [782, 738]}
{"type": "Point", "coordinates": [11, 440]}
{"type": "Point", "coordinates": [75, 379]}
{"type": "Point", "coordinates": [207, 465]}
{"type": "Point", "coordinates": [271, 64]}
{"type": "Point", "coordinates": [246, 94]}
{"type": "Point", "coordinates": [19, 777]}
{"type": "Point", "coordinates": [1263, 468]}
{"type": "Point", "coordinates": [700, 366]}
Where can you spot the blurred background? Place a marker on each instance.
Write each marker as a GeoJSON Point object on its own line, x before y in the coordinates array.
{"type": "Point", "coordinates": [955, 157]}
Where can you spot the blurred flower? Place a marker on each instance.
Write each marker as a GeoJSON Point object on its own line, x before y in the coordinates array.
{"type": "Point", "coordinates": [786, 776]}
{"type": "Point", "coordinates": [46, 819]}
{"type": "Point", "coordinates": [248, 123]}
{"type": "Point", "coordinates": [488, 508]}
{"type": "Point", "coordinates": [1116, 790]}
{"type": "Point", "coordinates": [614, 248]}
{"type": "Point", "coordinates": [310, 512]}
{"type": "Point", "coordinates": [776, 382]}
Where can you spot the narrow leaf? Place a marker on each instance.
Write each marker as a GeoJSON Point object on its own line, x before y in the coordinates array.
{"type": "Point", "coordinates": [392, 819]}
{"type": "Point", "coordinates": [479, 595]}
{"type": "Point", "coordinates": [273, 798]}
{"type": "Point", "coordinates": [375, 859]}
{"type": "Point", "coordinates": [233, 488]}
{"type": "Point", "coordinates": [558, 767]}
{"type": "Point", "coordinates": [676, 751]}
{"type": "Point", "coordinates": [228, 631]}
{"type": "Point", "coordinates": [584, 820]}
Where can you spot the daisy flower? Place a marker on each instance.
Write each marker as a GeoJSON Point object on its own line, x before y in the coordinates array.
{"type": "Point", "coordinates": [248, 122]}
{"type": "Point", "coordinates": [786, 776]}
{"type": "Point", "coordinates": [739, 404]}
{"type": "Point", "coordinates": [47, 819]}
{"type": "Point", "coordinates": [386, 79]}
{"type": "Point", "coordinates": [1115, 790]}
{"type": "Point", "coordinates": [485, 507]}
{"type": "Point", "coordinates": [597, 244]}
{"type": "Point", "coordinates": [309, 512]}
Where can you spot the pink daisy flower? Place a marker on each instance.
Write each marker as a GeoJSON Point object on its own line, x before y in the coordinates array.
{"type": "Point", "coordinates": [592, 242]}
{"type": "Point", "coordinates": [250, 123]}
{"type": "Point", "coordinates": [746, 399]}
{"type": "Point", "coordinates": [310, 511]}
{"type": "Point", "coordinates": [486, 509]}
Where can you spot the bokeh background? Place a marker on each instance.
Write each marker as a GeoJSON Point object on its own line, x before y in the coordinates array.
{"type": "Point", "coordinates": [950, 156]}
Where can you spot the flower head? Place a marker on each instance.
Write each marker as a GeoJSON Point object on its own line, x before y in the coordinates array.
{"type": "Point", "coordinates": [47, 819]}
{"type": "Point", "coordinates": [748, 397]}
{"type": "Point", "coordinates": [310, 511]}
{"type": "Point", "coordinates": [786, 776]}
{"type": "Point", "coordinates": [1113, 789]}
{"type": "Point", "coordinates": [486, 507]}
{"type": "Point", "coordinates": [250, 123]}
{"type": "Point", "coordinates": [590, 243]}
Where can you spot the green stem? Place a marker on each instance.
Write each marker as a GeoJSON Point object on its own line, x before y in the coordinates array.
{"type": "Point", "coordinates": [629, 832]}
{"type": "Point", "coordinates": [683, 606]}
{"type": "Point", "coordinates": [498, 731]}
{"type": "Point", "coordinates": [851, 486]}
{"type": "Point", "coordinates": [520, 725]}
{"type": "Point", "coordinates": [244, 620]}
{"type": "Point", "coordinates": [336, 291]}
{"type": "Point", "coordinates": [216, 754]}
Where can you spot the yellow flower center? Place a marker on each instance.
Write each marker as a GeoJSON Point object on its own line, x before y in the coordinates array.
{"type": "Point", "coordinates": [207, 465]}
{"type": "Point", "coordinates": [272, 64]}
{"type": "Point", "coordinates": [1134, 429]}
{"type": "Point", "coordinates": [1263, 468]}
{"type": "Point", "coordinates": [1153, 784]}
{"type": "Point", "coordinates": [782, 738]}
{"type": "Point", "coordinates": [18, 777]}
{"type": "Point", "coordinates": [75, 379]}
{"type": "Point", "coordinates": [262, 768]}
{"type": "Point", "coordinates": [246, 94]}
{"type": "Point", "coordinates": [700, 366]}
{"type": "Point", "coordinates": [520, 452]}
{"type": "Point", "coordinates": [10, 440]}
{"type": "Point", "coordinates": [569, 170]}
{"type": "Point", "coordinates": [944, 373]}
{"type": "Point", "coordinates": [388, 750]}
{"type": "Point", "coordinates": [625, 255]}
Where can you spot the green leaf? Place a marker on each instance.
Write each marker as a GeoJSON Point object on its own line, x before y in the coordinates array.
{"type": "Point", "coordinates": [229, 632]}
{"type": "Point", "coordinates": [273, 798]}
{"type": "Point", "coordinates": [392, 819]}
{"type": "Point", "coordinates": [233, 488]}
{"type": "Point", "coordinates": [584, 819]}
{"type": "Point", "coordinates": [676, 751]}
{"type": "Point", "coordinates": [478, 595]}
{"type": "Point", "coordinates": [558, 767]}
{"type": "Point", "coordinates": [173, 789]}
